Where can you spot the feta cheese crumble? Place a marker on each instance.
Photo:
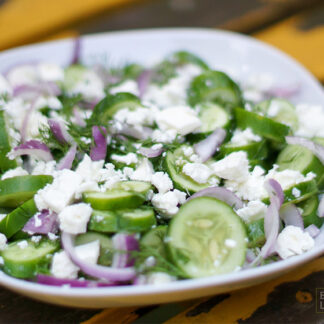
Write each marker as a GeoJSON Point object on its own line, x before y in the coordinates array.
{"type": "Point", "coordinates": [293, 241]}
{"type": "Point", "coordinates": [74, 218]}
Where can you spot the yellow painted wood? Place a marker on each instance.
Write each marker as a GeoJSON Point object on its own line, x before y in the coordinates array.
{"type": "Point", "coordinates": [114, 316]}
{"type": "Point", "coordinates": [24, 21]}
{"type": "Point", "coordinates": [306, 46]}
{"type": "Point", "coordinates": [243, 303]}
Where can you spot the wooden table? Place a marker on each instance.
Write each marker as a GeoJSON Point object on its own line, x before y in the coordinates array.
{"type": "Point", "coordinates": [295, 26]}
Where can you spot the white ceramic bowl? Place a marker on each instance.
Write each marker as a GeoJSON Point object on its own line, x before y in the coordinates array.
{"type": "Point", "coordinates": [224, 50]}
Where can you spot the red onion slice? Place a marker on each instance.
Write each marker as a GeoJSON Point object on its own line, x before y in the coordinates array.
{"type": "Point", "coordinates": [98, 271]}
{"type": "Point", "coordinates": [99, 150]}
{"type": "Point", "coordinates": [124, 243]}
{"type": "Point", "coordinates": [75, 283]}
{"type": "Point", "coordinates": [60, 132]}
{"type": "Point", "coordinates": [76, 51]}
{"type": "Point", "coordinates": [67, 160]}
{"type": "Point", "coordinates": [42, 223]}
{"type": "Point", "coordinates": [320, 210]}
{"type": "Point", "coordinates": [79, 120]}
{"type": "Point", "coordinates": [207, 147]}
{"type": "Point", "coordinates": [34, 148]}
{"type": "Point", "coordinates": [143, 82]}
{"type": "Point", "coordinates": [28, 91]}
{"type": "Point", "coordinates": [284, 92]}
{"type": "Point", "coordinates": [149, 152]}
{"type": "Point", "coordinates": [272, 219]}
{"type": "Point", "coordinates": [25, 122]}
{"type": "Point", "coordinates": [220, 193]}
{"type": "Point", "coordinates": [312, 230]}
{"type": "Point", "coordinates": [291, 216]}
{"type": "Point", "coordinates": [319, 239]}
{"type": "Point", "coordinates": [317, 149]}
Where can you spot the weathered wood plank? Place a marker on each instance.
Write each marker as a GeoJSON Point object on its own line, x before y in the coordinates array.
{"type": "Point", "coordinates": [250, 304]}
{"type": "Point", "coordinates": [302, 37]}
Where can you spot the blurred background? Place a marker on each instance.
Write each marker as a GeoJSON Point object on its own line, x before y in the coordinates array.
{"type": "Point", "coordinates": [295, 26]}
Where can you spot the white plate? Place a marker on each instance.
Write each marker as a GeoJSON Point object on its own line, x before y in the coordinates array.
{"type": "Point", "coordinates": [224, 50]}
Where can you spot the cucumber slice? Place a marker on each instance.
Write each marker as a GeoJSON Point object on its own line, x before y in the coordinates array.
{"type": "Point", "coordinates": [214, 86]}
{"type": "Point", "coordinates": [16, 220]}
{"type": "Point", "coordinates": [279, 110]}
{"type": "Point", "coordinates": [200, 236]}
{"type": "Point", "coordinates": [296, 157]}
{"type": "Point", "coordinates": [309, 207]}
{"type": "Point", "coordinates": [106, 247]}
{"type": "Point", "coordinates": [136, 220]}
{"type": "Point", "coordinates": [255, 150]}
{"type": "Point", "coordinates": [103, 221]}
{"type": "Point", "coordinates": [183, 57]}
{"type": "Point", "coordinates": [73, 74]}
{"type": "Point", "coordinates": [26, 262]}
{"type": "Point", "coordinates": [113, 199]}
{"type": "Point", "coordinates": [154, 240]}
{"type": "Point", "coordinates": [212, 116]}
{"type": "Point", "coordinates": [107, 107]}
{"type": "Point", "coordinates": [261, 125]}
{"type": "Point", "coordinates": [180, 180]}
{"type": "Point", "coordinates": [140, 187]}
{"type": "Point", "coordinates": [15, 191]}
{"type": "Point", "coordinates": [255, 232]}
{"type": "Point", "coordinates": [5, 145]}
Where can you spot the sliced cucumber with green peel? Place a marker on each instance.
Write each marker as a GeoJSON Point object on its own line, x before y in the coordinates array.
{"type": "Point", "coordinates": [309, 214]}
{"type": "Point", "coordinates": [73, 74]}
{"type": "Point", "coordinates": [140, 187]}
{"type": "Point", "coordinates": [106, 247]}
{"type": "Point", "coordinates": [214, 86]}
{"type": "Point", "coordinates": [107, 107]}
{"type": "Point", "coordinates": [206, 237]}
{"type": "Point", "coordinates": [16, 220]}
{"type": "Point", "coordinates": [180, 180]}
{"type": "Point", "coordinates": [136, 220]}
{"type": "Point", "coordinates": [254, 150]}
{"type": "Point", "coordinates": [24, 258]}
{"type": "Point", "coordinates": [114, 199]}
{"type": "Point", "coordinates": [261, 125]}
{"type": "Point", "coordinates": [103, 221]}
{"type": "Point", "coordinates": [154, 240]}
{"type": "Point", "coordinates": [183, 57]}
{"type": "Point", "coordinates": [299, 158]}
{"type": "Point", "coordinates": [15, 191]}
{"type": "Point", "coordinates": [5, 145]}
{"type": "Point", "coordinates": [213, 116]}
{"type": "Point", "coordinates": [255, 232]}
{"type": "Point", "coordinates": [279, 110]}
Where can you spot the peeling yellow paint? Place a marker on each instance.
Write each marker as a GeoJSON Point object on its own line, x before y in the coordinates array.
{"type": "Point", "coordinates": [304, 297]}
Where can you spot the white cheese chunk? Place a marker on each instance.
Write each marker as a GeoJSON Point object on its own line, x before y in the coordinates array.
{"type": "Point", "coordinates": [311, 120]}
{"type": "Point", "coordinates": [244, 137]}
{"type": "Point", "coordinates": [293, 241]}
{"type": "Point", "coordinates": [253, 211]}
{"type": "Point", "coordinates": [128, 159]}
{"type": "Point", "coordinates": [46, 168]}
{"type": "Point", "coordinates": [197, 171]}
{"type": "Point", "coordinates": [63, 267]}
{"type": "Point", "coordinates": [5, 86]}
{"type": "Point", "coordinates": [143, 172]}
{"type": "Point", "coordinates": [159, 278]}
{"type": "Point", "coordinates": [17, 172]}
{"type": "Point", "coordinates": [74, 218]}
{"type": "Point", "coordinates": [126, 86]}
{"type": "Point", "coordinates": [57, 195]}
{"type": "Point", "coordinates": [50, 72]}
{"type": "Point", "coordinates": [179, 118]}
{"type": "Point", "coordinates": [162, 182]}
{"type": "Point", "coordinates": [3, 242]}
{"type": "Point", "coordinates": [167, 203]}
{"type": "Point", "coordinates": [234, 166]}
{"type": "Point", "coordinates": [89, 252]}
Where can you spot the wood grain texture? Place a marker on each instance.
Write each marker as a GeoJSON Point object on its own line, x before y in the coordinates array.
{"type": "Point", "coordinates": [300, 37]}
{"type": "Point", "coordinates": [25, 21]}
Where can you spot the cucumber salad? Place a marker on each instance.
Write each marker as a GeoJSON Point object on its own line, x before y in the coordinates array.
{"type": "Point", "coordinates": [139, 175]}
